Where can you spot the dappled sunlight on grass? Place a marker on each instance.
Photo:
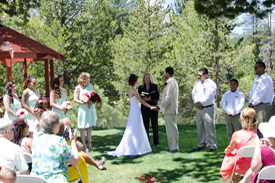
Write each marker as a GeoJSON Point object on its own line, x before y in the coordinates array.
{"type": "Point", "coordinates": [185, 166]}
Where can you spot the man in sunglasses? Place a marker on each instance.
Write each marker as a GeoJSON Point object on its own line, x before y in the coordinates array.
{"type": "Point", "coordinates": [11, 154]}
{"type": "Point", "coordinates": [261, 93]}
{"type": "Point", "coordinates": [203, 95]}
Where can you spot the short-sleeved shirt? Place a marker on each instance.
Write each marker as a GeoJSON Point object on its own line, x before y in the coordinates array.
{"type": "Point", "coordinates": [12, 156]}
{"type": "Point", "coordinates": [50, 156]}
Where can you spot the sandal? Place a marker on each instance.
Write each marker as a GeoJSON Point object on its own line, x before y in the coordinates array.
{"type": "Point", "coordinates": [85, 150]}
{"type": "Point", "coordinates": [101, 163]}
{"type": "Point", "coordinates": [90, 149]}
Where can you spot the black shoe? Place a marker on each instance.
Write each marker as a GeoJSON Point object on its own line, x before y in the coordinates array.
{"type": "Point", "coordinates": [198, 148]}
{"type": "Point", "coordinates": [172, 151]}
{"type": "Point", "coordinates": [211, 150]}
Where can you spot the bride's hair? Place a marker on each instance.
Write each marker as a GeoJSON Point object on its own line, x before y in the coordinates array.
{"type": "Point", "coordinates": [132, 79]}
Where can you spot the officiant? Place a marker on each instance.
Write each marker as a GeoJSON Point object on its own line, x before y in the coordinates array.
{"type": "Point", "coordinates": [150, 93]}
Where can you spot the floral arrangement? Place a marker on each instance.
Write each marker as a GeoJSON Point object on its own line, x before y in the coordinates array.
{"type": "Point", "coordinates": [150, 179]}
{"type": "Point", "coordinates": [85, 97]}
{"type": "Point", "coordinates": [95, 97]}
{"type": "Point", "coordinates": [36, 110]}
{"type": "Point", "coordinates": [40, 100]}
{"type": "Point", "coordinates": [67, 105]}
{"type": "Point", "coordinates": [21, 113]}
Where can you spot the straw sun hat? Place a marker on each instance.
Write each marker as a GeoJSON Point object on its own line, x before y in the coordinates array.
{"type": "Point", "coordinates": [268, 129]}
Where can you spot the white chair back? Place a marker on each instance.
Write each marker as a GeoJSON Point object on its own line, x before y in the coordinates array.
{"type": "Point", "coordinates": [80, 177]}
{"type": "Point", "coordinates": [267, 173]}
{"type": "Point", "coordinates": [246, 152]}
{"type": "Point", "coordinates": [28, 157]}
{"type": "Point", "coordinates": [29, 179]}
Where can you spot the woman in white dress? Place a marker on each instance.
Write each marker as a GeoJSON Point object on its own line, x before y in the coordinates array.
{"type": "Point", "coordinates": [134, 140]}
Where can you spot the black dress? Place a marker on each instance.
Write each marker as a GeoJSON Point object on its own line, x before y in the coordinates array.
{"type": "Point", "coordinates": [148, 114]}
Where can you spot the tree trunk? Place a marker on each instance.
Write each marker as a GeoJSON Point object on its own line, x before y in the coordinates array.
{"type": "Point", "coordinates": [217, 66]}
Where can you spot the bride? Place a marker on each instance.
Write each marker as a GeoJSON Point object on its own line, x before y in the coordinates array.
{"type": "Point", "coordinates": [134, 140]}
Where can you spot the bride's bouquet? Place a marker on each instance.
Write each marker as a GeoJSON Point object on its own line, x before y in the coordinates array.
{"type": "Point", "coordinates": [95, 97]}
{"type": "Point", "coordinates": [21, 113]}
{"type": "Point", "coordinates": [67, 105]}
{"type": "Point", "coordinates": [85, 97]}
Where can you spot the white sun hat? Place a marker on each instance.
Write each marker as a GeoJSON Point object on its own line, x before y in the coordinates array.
{"type": "Point", "coordinates": [268, 129]}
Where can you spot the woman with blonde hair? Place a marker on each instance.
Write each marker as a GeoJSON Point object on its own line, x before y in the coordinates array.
{"type": "Point", "coordinates": [86, 110]}
{"type": "Point", "coordinates": [149, 92]}
{"type": "Point", "coordinates": [245, 137]}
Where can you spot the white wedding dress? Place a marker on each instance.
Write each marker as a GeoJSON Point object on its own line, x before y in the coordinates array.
{"type": "Point", "coordinates": [135, 140]}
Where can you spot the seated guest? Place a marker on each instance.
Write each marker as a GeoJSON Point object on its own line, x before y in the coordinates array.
{"type": "Point", "coordinates": [20, 133]}
{"type": "Point", "coordinates": [245, 137]}
{"type": "Point", "coordinates": [51, 153]}
{"type": "Point", "coordinates": [7, 175]}
{"type": "Point", "coordinates": [264, 155]}
{"type": "Point", "coordinates": [11, 155]}
{"type": "Point", "coordinates": [98, 164]}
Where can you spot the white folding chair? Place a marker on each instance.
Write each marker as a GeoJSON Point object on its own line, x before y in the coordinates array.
{"type": "Point", "coordinates": [29, 179]}
{"type": "Point", "coordinates": [245, 152]}
{"type": "Point", "coordinates": [80, 177]}
{"type": "Point", "coordinates": [28, 157]}
{"type": "Point", "coordinates": [267, 173]}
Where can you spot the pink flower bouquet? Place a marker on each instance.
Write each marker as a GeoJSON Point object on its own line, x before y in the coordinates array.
{"type": "Point", "coordinates": [21, 113]}
{"type": "Point", "coordinates": [85, 97]}
{"type": "Point", "coordinates": [67, 105]}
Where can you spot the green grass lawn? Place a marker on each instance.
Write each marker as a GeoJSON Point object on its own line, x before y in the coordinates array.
{"type": "Point", "coordinates": [185, 166]}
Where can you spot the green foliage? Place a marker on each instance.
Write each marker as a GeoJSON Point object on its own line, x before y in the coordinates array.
{"type": "Point", "coordinates": [232, 8]}
{"type": "Point", "coordinates": [19, 8]}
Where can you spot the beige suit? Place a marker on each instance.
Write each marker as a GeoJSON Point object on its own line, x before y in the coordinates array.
{"type": "Point", "coordinates": [169, 107]}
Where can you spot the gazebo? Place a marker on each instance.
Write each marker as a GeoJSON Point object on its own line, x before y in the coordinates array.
{"type": "Point", "coordinates": [15, 47]}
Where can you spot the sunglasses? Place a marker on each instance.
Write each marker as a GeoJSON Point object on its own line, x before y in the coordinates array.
{"type": "Point", "coordinates": [256, 67]}
{"type": "Point", "coordinates": [200, 75]}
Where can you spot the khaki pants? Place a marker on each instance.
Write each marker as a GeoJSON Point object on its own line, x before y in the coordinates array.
{"type": "Point", "coordinates": [232, 124]}
{"type": "Point", "coordinates": [263, 112]}
{"type": "Point", "coordinates": [205, 122]}
{"type": "Point", "coordinates": [172, 131]}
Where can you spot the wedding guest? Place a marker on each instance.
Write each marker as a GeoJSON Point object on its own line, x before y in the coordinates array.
{"type": "Point", "coordinates": [245, 137]}
{"type": "Point", "coordinates": [40, 107]}
{"type": "Point", "coordinates": [264, 155]}
{"type": "Point", "coordinates": [20, 135]}
{"type": "Point", "coordinates": [11, 154]}
{"type": "Point", "coordinates": [261, 93]}
{"type": "Point", "coordinates": [151, 97]}
{"type": "Point", "coordinates": [203, 95]}
{"type": "Point", "coordinates": [86, 117]}
{"type": "Point", "coordinates": [11, 102]}
{"type": "Point", "coordinates": [29, 98]}
{"type": "Point", "coordinates": [51, 153]}
{"type": "Point", "coordinates": [7, 175]}
{"type": "Point", "coordinates": [58, 96]}
{"type": "Point", "coordinates": [232, 103]}
{"type": "Point", "coordinates": [169, 107]}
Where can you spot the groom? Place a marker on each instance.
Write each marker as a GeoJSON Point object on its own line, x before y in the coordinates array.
{"type": "Point", "coordinates": [169, 107]}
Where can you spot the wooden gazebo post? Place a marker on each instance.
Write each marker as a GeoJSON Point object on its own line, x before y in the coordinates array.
{"type": "Point", "coordinates": [25, 72]}
{"type": "Point", "coordinates": [9, 69]}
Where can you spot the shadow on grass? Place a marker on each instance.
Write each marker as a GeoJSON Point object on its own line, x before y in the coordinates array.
{"type": "Point", "coordinates": [202, 166]}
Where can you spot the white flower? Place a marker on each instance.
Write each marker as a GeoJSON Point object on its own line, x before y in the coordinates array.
{"type": "Point", "coordinates": [67, 105]}
{"type": "Point", "coordinates": [1, 110]}
{"type": "Point", "coordinates": [21, 113]}
{"type": "Point", "coordinates": [85, 97]}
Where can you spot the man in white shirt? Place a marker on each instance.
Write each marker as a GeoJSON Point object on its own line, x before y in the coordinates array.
{"type": "Point", "coordinates": [203, 95]}
{"type": "Point", "coordinates": [11, 154]}
{"type": "Point", "coordinates": [261, 93]}
{"type": "Point", "coordinates": [232, 103]}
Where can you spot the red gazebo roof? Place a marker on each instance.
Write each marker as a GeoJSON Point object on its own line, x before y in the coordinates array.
{"type": "Point", "coordinates": [18, 47]}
